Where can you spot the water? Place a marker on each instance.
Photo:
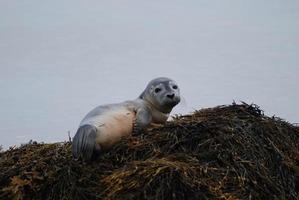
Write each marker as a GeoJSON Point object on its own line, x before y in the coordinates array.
{"type": "Point", "coordinates": [60, 59]}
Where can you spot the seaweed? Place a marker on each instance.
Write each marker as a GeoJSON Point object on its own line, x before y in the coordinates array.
{"type": "Point", "coordinates": [227, 152]}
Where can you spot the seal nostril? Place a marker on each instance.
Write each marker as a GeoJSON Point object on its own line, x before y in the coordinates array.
{"type": "Point", "coordinates": [170, 96]}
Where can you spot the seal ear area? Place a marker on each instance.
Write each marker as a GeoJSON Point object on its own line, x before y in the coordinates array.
{"type": "Point", "coordinates": [84, 142]}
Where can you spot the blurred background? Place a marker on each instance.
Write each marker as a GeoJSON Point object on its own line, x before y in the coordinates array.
{"type": "Point", "coordinates": [60, 59]}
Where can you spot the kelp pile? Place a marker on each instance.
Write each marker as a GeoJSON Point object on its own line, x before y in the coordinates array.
{"type": "Point", "coordinates": [226, 152]}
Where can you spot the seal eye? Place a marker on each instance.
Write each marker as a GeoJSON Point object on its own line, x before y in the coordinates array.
{"type": "Point", "coordinates": [175, 87]}
{"type": "Point", "coordinates": [157, 90]}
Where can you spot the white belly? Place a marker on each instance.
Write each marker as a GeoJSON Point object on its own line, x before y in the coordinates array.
{"type": "Point", "coordinates": [112, 126]}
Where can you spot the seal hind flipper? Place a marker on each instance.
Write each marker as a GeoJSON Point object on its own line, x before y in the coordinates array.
{"type": "Point", "coordinates": [84, 142]}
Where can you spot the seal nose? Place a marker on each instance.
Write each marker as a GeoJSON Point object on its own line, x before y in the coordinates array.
{"type": "Point", "coordinates": [170, 96]}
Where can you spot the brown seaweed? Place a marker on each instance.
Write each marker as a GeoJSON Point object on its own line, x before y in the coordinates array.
{"type": "Point", "coordinates": [226, 152]}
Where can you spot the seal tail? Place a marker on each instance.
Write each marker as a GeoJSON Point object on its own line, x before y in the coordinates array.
{"type": "Point", "coordinates": [84, 142]}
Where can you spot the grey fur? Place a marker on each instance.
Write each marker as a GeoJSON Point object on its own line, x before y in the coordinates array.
{"type": "Point", "coordinates": [143, 119]}
{"type": "Point", "coordinates": [159, 100]}
{"type": "Point", "coordinates": [84, 142]}
{"type": "Point", "coordinates": [152, 106]}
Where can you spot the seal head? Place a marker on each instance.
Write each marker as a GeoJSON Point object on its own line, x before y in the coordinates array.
{"type": "Point", "coordinates": [162, 94]}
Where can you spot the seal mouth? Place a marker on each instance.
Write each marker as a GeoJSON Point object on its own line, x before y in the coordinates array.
{"type": "Point", "coordinates": [172, 102]}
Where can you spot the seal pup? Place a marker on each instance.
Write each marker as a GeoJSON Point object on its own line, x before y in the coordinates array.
{"type": "Point", "coordinates": [106, 125]}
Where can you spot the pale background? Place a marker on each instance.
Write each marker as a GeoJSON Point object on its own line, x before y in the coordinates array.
{"type": "Point", "coordinates": [61, 58]}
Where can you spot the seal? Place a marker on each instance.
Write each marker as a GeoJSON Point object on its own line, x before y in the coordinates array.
{"type": "Point", "coordinates": [106, 125]}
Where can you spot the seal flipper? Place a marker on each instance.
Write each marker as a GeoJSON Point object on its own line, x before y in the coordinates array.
{"type": "Point", "coordinates": [84, 142]}
{"type": "Point", "coordinates": [143, 119]}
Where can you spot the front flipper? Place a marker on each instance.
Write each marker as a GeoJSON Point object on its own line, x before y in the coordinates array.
{"type": "Point", "coordinates": [143, 119]}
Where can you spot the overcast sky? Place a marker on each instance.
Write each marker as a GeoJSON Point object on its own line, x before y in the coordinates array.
{"type": "Point", "coordinates": [61, 58]}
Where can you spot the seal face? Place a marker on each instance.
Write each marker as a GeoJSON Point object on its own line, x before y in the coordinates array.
{"type": "Point", "coordinates": [162, 93]}
{"type": "Point", "coordinates": [106, 125]}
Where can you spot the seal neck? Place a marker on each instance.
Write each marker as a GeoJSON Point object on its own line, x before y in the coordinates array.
{"type": "Point", "coordinates": [157, 115]}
